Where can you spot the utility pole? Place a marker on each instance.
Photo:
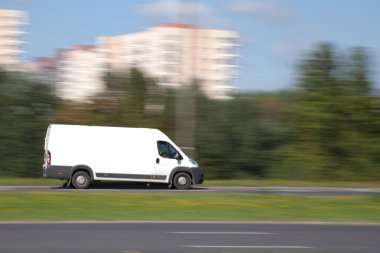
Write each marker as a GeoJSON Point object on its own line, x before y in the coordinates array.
{"type": "Point", "coordinates": [186, 99]}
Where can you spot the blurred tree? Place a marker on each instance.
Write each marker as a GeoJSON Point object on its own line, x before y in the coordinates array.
{"type": "Point", "coordinates": [239, 137]}
{"type": "Point", "coordinates": [136, 87]}
{"type": "Point", "coordinates": [331, 116]}
{"type": "Point", "coordinates": [26, 108]}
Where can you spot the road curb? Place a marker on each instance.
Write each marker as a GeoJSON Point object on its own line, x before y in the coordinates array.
{"type": "Point", "coordinates": [201, 222]}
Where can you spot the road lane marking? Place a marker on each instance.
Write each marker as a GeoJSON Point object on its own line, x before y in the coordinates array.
{"type": "Point", "coordinates": [247, 247]}
{"type": "Point", "coordinates": [223, 233]}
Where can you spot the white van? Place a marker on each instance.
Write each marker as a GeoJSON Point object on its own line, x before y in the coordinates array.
{"type": "Point", "coordinates": [83, 154]}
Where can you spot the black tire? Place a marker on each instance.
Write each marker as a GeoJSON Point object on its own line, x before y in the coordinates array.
{"type": "Point", "coordinates": [81, 180]}
{"type": "Point", "coordinates": [182, 181]}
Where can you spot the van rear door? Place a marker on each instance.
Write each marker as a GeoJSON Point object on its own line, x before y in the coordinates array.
{"type": "Point", "coordinates": [47, 155]}
{"type": "Point", "coordinates": [47, 138]}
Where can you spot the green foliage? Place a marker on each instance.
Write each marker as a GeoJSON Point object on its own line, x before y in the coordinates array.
{"type": "Point", "coordinates": [26, 108]}
{"type": "Point", "coordinates": [333, 117]}
{"type": "Point", "coordinates": [238, 137]}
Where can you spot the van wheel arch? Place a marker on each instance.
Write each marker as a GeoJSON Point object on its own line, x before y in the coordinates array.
{"type": "Point", "coordinates": [177, 170]}
{"type": "Point", "coordinates": [83, 168]}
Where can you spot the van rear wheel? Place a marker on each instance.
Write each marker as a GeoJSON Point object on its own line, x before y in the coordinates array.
{"type": "Point", "coordinates": [81, 180]}
{"type": "Point", "coordinates": [182, 181]}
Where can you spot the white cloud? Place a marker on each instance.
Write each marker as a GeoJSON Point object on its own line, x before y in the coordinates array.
{"type": "Point", "coordinates": [263, 9]}
{"type": "Point", "coordinates": [283, 49]}
{"type": "Point", "coordinates": [287, 52]}
{"type": "Point", "coordinates": [170, 8]}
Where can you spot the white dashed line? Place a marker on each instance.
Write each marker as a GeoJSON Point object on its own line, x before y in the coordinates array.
{"type": "Point", "coordinates": [246, 247]}
{"type": "Point", "coordinates": [223, 233]}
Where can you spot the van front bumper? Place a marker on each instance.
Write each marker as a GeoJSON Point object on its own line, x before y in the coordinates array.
{"type": "Point", "coordinates": [198, 176]}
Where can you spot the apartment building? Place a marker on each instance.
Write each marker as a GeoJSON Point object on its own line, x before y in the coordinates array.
{"type": "Point", "coordinates": [12, 39]}
{"type": "Point", "coordinates": [178, 54]}
{"type": "Point", "coordinates": [79, 73]}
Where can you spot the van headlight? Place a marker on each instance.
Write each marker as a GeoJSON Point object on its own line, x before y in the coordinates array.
{"type": "Point", "coordinates": [194, 163]}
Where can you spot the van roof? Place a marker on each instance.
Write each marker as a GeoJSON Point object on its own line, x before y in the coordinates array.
{"type": "Point", "coordinates": [141, 130]}
{"type": "Point", "coordinates": [69, 125]}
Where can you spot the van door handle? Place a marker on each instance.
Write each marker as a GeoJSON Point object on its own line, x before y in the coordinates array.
{"type": "Point", "coordinates": [157, 160]}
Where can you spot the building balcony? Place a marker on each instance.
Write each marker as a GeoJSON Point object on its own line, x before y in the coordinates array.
{"type": "Point", "coordinates": [169, 41]}
{"type": "Point", "coordinates": [173, 51]}
{"type": "Point", "coordinates": [12, 51]}
{"type": "Point", "coordinates": [227, 55]}
{"type": "Point", "coordinates": [168, 74]}
{"type": "Point", "coordinates": [10, 42]}
{"type": "Point", "coordinates": [168, 84]}
{"type": "Point", "coordinates": [13, 23]}
{"type": "Point", "coordinates": [227, 44]}
{"type": "Point", "coordinates": [168, 63]}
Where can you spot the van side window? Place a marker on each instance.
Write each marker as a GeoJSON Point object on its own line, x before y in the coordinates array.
{"type": "Point", "coordinates": [166, 150]}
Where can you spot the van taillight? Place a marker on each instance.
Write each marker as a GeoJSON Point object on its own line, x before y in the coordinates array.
{"type": "Point", "coordinates": [48, 157]}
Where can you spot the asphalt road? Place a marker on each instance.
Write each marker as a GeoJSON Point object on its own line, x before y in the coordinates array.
{"type": "Point", "coordinates": [188, 237]}
{"type": "Point", "coordinates": [200, 189]}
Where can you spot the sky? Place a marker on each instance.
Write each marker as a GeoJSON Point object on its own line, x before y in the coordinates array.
{"type": "Point", "coordinates": [275, 35]}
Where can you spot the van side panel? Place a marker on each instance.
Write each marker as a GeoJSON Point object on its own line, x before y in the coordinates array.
{"type": "Point", "coordinates": [124, 154]}
{"type": "Point", "coordinates": [110, 152]}
{"type": "Point", "coordinates": [67, 144]}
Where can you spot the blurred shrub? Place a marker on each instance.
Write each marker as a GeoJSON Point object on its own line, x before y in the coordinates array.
{"type": "Point", "coordinates": [239, 137]}
{"type": "Point", "coordinates": [26, 108]}
{"type": "Point", "coordinates": [334, 119]}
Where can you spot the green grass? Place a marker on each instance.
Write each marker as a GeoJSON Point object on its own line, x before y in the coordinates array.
{"type": "Point", "coordinates": [292, 183]}
{"type": "Point", "coordinates": [90, 206]}
{"type": "Point", "coordinates": [231, 182]}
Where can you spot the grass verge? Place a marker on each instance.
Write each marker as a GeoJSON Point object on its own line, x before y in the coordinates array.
{"type": "Point", "coordinates": [291, 183]}
{"type": "Point", "coordinates": [86, 206]}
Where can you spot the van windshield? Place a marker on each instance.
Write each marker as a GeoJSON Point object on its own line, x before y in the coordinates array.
{"type": "Point", "coordinates": [166, 150]}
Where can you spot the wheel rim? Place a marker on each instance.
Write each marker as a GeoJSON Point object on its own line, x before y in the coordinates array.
{"type": "Point", "coordinates": [182, 180]}
{"type": "Point", "coordinates": [81, 180]}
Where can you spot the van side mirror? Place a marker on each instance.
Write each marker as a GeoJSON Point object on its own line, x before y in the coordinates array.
{"type": "Point", "coordinates": [177, 156]}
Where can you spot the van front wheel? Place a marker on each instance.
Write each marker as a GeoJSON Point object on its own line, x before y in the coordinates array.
{"type": "Point", "coordinates": [81, 180]}
{"type": "Point", "coordinates": [182, 181]}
